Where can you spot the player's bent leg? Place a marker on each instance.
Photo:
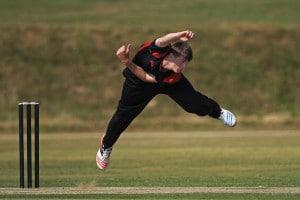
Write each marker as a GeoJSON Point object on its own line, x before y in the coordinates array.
{"type": "Point", "coordinates": [119, 122]}
{"type": "Point", "coordinates": [193, 101]}
{"type": "Point", "coordinates": [133, 101]}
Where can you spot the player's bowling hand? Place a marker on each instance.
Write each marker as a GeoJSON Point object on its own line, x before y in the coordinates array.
{"type": "Point", "coordinates": [186, 35]}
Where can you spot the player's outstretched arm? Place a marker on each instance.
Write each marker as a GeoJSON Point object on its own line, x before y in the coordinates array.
{"type": "Point", "coordinates": [174, 37]}
{"type": "Point", "coordinates": [123, 55]}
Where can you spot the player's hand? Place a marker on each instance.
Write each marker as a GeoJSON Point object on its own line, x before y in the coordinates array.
{"type": "Point", "coordinates": [123, 53]}
{"type": "Point", "coordinates": [186, 35]}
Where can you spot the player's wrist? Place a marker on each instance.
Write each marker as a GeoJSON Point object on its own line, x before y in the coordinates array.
{"type": "Point", "coordinates": [126, 62]}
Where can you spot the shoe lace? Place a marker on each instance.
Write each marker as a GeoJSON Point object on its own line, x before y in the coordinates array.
{"type": "Point", "coordinates": [222, 115]}
{"type": "Point", "coordinates": [106, 153]}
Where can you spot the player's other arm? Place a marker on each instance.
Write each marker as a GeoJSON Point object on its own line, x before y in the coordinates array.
{"type": "Point", "coordinates": [123, 55]}
{"type": "Point", "coordinates": [173, 38]}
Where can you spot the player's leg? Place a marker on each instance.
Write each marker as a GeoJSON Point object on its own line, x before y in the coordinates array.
{"type": "Point", "coordinates": [193, 101]}
{"type": "Point", "coordinates": [133, 100]}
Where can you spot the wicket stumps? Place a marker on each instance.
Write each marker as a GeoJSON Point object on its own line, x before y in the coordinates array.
{"type": "Point", "coordinates": [28, 106]}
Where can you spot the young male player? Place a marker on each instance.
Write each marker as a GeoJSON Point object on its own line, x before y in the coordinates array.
{"type": "Point", "coordinates": [157, 69]}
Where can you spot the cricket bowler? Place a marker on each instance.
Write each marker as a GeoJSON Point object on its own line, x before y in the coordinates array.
{"type": "Point", "coordinates": [156, 69]}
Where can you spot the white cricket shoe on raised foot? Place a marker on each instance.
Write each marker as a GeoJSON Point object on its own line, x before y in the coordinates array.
{"type": "Point", "coordinates": [227, 118]}
{"type": "Point", "coordinates": [102, 158]}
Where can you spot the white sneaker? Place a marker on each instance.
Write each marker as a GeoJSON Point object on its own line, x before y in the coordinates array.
{"type": "Point", "coordinates": [227, 118]}
{"type": "Point", "coordinates": [102, 158]}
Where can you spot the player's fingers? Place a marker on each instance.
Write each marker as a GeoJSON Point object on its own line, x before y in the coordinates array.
{"type": "Point", "coordinates": [192, 34]}
{"type": "Point", "coordinates": [127, 48]}
{"type": "Point", "coordinates": [188, 33]}
{"type": "Point", "coordinates": [121, 50]}
{"type": "Point", "coordinates": [183, 33]}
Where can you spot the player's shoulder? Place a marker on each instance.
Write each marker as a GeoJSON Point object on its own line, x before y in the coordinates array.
{"type": "Point", "coordinates": [146, 44]}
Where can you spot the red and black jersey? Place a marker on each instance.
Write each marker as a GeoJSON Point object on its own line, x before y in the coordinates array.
{"type": "Point", "coordinates": [150, 57]}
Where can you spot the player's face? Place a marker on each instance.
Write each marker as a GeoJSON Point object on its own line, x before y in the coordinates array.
{"type": "Point", "coordinates": [174, 62]}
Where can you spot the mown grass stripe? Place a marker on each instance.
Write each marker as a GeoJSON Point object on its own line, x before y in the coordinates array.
{"type": "Point", "coordinates": [150, 190]}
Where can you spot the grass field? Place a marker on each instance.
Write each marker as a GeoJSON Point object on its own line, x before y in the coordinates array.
{"type": "Point", "coordinates": [210, 196]}
{"type": "Point", "coordinates": [140, 13]}
{"type": "Point", "coordinates": [167, 159]}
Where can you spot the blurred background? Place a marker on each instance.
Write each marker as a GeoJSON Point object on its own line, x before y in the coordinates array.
{"type": "Point", "coordinates": [62, 54]}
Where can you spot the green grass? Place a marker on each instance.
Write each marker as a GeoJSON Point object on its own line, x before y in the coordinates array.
{"type": "Point", "coordinates": [166, 196]}
{"type": "Point", "coordinates": [134, 13]}
{"type": "Point", "coordinates": [219, 158]}
{"type": "Point", "coordinates": [239, 159]}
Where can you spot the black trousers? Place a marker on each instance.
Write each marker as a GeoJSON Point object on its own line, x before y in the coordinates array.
{"type": "Point", "coordinates": [135, 97]}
